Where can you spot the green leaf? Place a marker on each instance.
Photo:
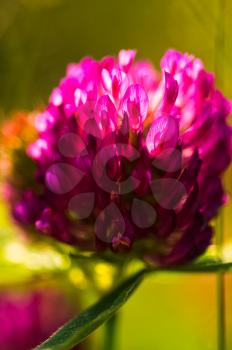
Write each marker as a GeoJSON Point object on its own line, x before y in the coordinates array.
{"type": "Point", "coordinates": [214, 266]}
{"type": "Point", "coordinates": [202, 266]}
{"type": "Point", "coordinates": [76, 330]}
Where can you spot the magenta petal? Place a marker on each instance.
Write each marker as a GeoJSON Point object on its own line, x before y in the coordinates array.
{"type": "Point", "coordinates": [80, 97]}
{"type": "Point", "coordinates": [109, 223]}
{"type": "Point", "coordinates": [106, 79]}
{"type": "Point", "coordinates": [44, 121]}
{"type": "Point", "coordinates": [107, 63]}
{"type": "Point", "coordinates": [126, 58]}
{"type": "Point", "coordinates": [135, 105]}
{"type": "Point", "coordinates": [118, 82]}
{"type": "Point", "coordinates": [169, 217]}
{"type": "Point", "coordinates": [106, 114]}
{"type": "Point", "coordinates": [169, 160]}
{"type": "Point", "coordinates": [62, 178]}
{"type": "Point", "coordinates": [56, 97]}
{"type": "Point", "coordinates": [36, 150]}
{"type": "Point", "coordinates": [169, 193]}
{"type": "Point", "coordinates": [92, 128]}
{"type": "Point", "coordinates": [81, 205]}
{"type": "Point", "coordinates": [211, 196]}
{"type": "Point", "coordinates": [145, 75]}
{"type": "Point", "coordinates": [170, 61]}
{"type": "Point", "coordinates": [163, 133]}
{"type": "Point", "coordinates": [191, 170]}
{"type": "Point", "coordinates": [71, 145]}
{"type": "Point", "coordinates": [171, 91]}
{"type": "Point", "coordinates": [99, 168]}
{"type": "Point", "coordinates": [195, 239]}
{"type": "Point", "coordinates": [142, 213]}
{"type": "Point", "coordinates": [199, 131]}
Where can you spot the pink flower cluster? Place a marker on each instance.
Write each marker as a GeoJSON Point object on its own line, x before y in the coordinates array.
{"type": "Point", "coordinates": [27, 319]}
{"type": "Point", "coordinates": [128, 158]}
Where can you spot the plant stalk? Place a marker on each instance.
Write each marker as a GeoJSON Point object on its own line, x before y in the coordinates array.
{"type": "Point", "coordinates": [220, 278]}
{"type": "Point", "coordinates": [111, 333]}
{"type": "Point", "coordinates": [221, 311]}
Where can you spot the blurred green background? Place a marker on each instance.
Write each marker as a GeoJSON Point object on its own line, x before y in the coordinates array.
{"type": "Point", "coordinates": [38, 38]}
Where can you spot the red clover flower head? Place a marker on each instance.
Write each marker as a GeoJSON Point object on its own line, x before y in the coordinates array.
{"type": "Point", "coordinates": [128, 159]}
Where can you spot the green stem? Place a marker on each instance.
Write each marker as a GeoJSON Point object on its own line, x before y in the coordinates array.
{"type": "Point", "coordinates": [220, 288]}
{"type": "Point", "coordinates": [220, 311]}
{"type": "Point", "coordinates": [219, 68]}
{"type": "Point", "coordinates": [110, 333]}
{"type": "Point", "coordinates": [111, 325]}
